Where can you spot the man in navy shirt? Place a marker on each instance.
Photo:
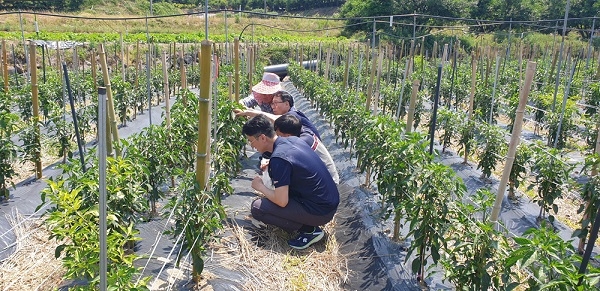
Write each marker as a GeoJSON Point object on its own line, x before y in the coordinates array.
{"type": "Point", "coordinates": [305, 196]}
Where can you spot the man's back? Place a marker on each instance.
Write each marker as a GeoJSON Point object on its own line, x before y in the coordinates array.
{"type": "Point", "coordinates": [294, 164]}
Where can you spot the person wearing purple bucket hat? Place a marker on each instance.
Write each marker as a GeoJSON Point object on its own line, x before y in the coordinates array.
{"type": "Point", "coordinates": [262, 93]}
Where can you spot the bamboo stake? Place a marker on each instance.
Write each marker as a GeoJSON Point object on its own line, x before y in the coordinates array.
{"type": "Point", "coordinates": [520, 63]}
{"type": "Point", "coordinates": [202, 152]}
{"type": "Point", "coordinates": [236, 55]}
{"type": "Point", "coordinates": [182, 70]}
{"type": "Point", "coordinates": [378, 92]}
{"type": "Point", "coordinates": [94, 70]}
{"type": "Point", "coordinates": [371, 79]}
{"type": "Point", "coordinates": [327, 63]}
{"type": "Point", "coordinates": [230, 85]}
{"type": "Point", "coordinates": [166, 90]}
{"type": "Point", "coordinates": [514, 139]}
{"type": "Point", "coordinates": [347, 68]}
{"type": "Point", "coordinates": [137, 64]}
{"type": "Point", "coordinates": [318, 68]}
{"type": "Point", "coordinates": [58, 60]}
{"type": "Point", "coordinates": [5, 66]}
{"type": "Point", "coordinates": [412, 105]}
{"type": "Point", "coordinates": [36, 107]}
{"type": "Point", "coordinates": [111, 108]}
{"type": "Point", "coordinates": [434, 51]}
{"type": "Point", "coordinates": [473, 86]}
{"type": "Point", "coordinates": [250, 63]}
{"type": "Point", "coordinates": [122, 55]}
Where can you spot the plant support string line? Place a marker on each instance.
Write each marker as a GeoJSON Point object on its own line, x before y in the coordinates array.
{"type": "Point", "coordinates": [24, 220]}
{"type": "Point", "coordinates": [157, 240]}
{"type": "Point", "coordinates": [173, 248]}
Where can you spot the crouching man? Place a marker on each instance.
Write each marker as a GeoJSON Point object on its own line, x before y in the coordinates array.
{"type": "Point", "coordinates": [305, 196]}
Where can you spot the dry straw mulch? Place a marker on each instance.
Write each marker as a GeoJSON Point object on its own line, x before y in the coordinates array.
{"type": "Point", "coordinates": [32, 266]}
{"type": "Point", "coordinates": [264, 257]}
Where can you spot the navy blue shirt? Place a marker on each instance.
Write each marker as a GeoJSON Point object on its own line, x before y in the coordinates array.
{"type": "Point", "coordinates": [305, 121]}
{"type": "Point", "coordinates": [294, 164]}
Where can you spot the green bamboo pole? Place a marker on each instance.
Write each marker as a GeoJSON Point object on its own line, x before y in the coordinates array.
{"type": "Point", "coordinates": [36, 107]}
{"type": "Point", "coordinates": [111, 108]}
{"type": "Point", "coordinates": [203, 149]}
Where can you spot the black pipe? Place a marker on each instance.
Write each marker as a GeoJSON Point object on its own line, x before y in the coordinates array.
{"type": "Point", "coordinates": [281, 70]}
{"type": "Point", "coordinates": [15, 64]}
{"type": "Point", "coordinates": [435, 107]}
{"type": "Point", "coordinates": [589, 247]}
{"type": "Point", "coordinates": [79, 142]}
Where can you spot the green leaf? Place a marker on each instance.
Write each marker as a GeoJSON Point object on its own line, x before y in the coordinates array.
{"type": "Point", "coordinates": [58, 250]}
{"type": "Point", "coordinates": [416, 265]}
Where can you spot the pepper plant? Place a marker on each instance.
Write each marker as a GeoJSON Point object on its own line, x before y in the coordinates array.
{"type": "Point", "coordinates": [518, 172]}
{"type": "Point", "coordinates": [394, 180]}
{"type": "Point", "coordinates": [466, 140]}
{"type": "Point", "coordinates": [9, 151]}
{"type": "Point", "coordinates": [184, 129]}
{"type": "Point", "coordinates": [448, 122]}
{"type": "Point", "coordinates": [551, 261]}
{"type": "Point", "coordinates": [430, 213]}
{"type": "Point", "coordinates": [63, 133]}
{"type": "Point", "coordinates": [590, 193]}
{"type": "Point", "coordinates": [551, 178]}
{"type": "Point", "coordinates": [74, 222]}
{"type": "Point", "coordinates": [197, 213]}
{"type": "Point", "coordinates": [476, 251]}
{"type": "Point", "coordinates": [123, 97]}
{"type": "Point", "coordinates": [492, 148]}
{"type": "Point", "coordinates": [151, 149]}
{"type": "Point", "coordinates": [30, 137]}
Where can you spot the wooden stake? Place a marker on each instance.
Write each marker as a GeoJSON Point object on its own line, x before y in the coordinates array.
{"type": "Point", "coordinates": [371, 79]}
{"type": "Point", "coordinates": [36, 107]}
{"type": "Point", "coordinates": [122, 56]}
{"type": "Point", "coordinates": [473, 87]}
{"type": "Point", "coordinates": [94, 68]}
{"type": "Point", "coordinates": [230, 85]}
{"type": "Point", "coordinates": [182, 70]}
{"type": "Point", "coordinates": [412, 105]}
{"type": "Point", "coordinates": [347, 68]}
{"type": "Point", "coordinates": [236, 65]}
{"type": "Point", "coordinates": [5, 66]}
{"type": "Point", "coordinates": [110, 105]}
{"type": "Point", "coordinates": [166, 90]}
{"type": "Point", "coordinates": [514, 139]}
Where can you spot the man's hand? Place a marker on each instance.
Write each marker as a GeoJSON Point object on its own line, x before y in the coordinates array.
{"type": "Point", "coordinates": [258, 185]}
{"type": "Point", "coordinates": [249, 112]}
{"type": "Point", "coordinates": [239, 112]}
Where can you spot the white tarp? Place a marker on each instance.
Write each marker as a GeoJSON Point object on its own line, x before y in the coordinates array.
{"type": "Point", "coordinates": [61, 44]}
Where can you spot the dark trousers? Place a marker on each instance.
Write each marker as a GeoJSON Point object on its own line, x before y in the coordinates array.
{"type": "Point", "coordinates": [290, 218]}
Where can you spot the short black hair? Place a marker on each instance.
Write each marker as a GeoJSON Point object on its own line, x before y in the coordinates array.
{"type": "Point", "coordinates": [285, 97]}
{"type": "Point", "coordinates": [258, 125]}
{"type": "Point", "coordinates": [289, 124]}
